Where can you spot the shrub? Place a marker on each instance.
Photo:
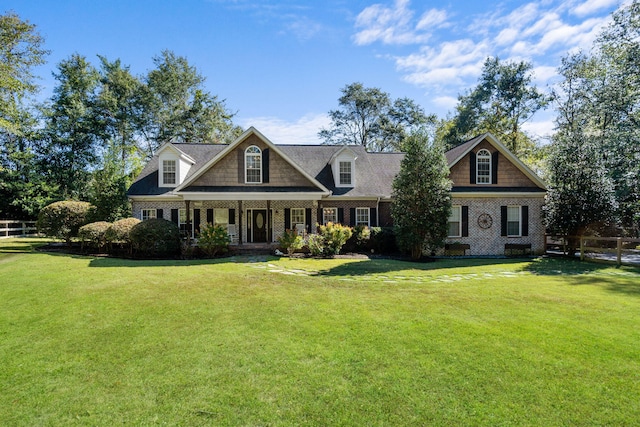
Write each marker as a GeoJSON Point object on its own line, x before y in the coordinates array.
{"type": "Point", "coordinates": [291, 241]}
{"type": "Point", "coordinates": [62, 220]}
{"type": "Point", "coordinates": [119, 232]}
{"type": "Point", "coordinates": [316, 244]}
{"type": "Point", "coordinates": [383, 240]}
{"type": "Point", "coordinates": [359, 240]}
{"type": "Point", "coordinates": [155, 238]}
{"type": "Point", "coordinates": [332, 238]}
{"type": "Point", "coordinates": [213, 239]}
{"type": "Point", "coordinates": [94, 234]}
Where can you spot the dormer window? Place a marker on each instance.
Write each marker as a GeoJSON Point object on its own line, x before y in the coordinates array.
{"type": "Point", "coordinates": [169, 172]}
{"type": "Point", "coordinates": [483, 167]}
{"type": "Point", "coordinates": [253, 165]}
{"type": "Point", "coordinates": [345, 173]}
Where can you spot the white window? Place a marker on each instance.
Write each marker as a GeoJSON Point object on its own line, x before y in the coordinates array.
{"type": "Point", "coordinates": [221, 217]}
{"type": "Point", "coordinates": [513, 221]}
{"type": "Point", "coordinates": [253, 165]}
{"type": "Point", "coordinates": [455, 222]}
{"type": "Point", "coordinates": [182, 221]}
{"type": "Point", "coordinates": [345, 173]}
{"type": "Point", "coordinates": [329, 215]}
{"type": "Point", "coordinates": [148, 214]}
{"type": "Point", "coordinates": [297, 216]}
{"type": "Point", "coordinates": [169, 172]}
{"type": "Point", "coordinates": [483, 167]}
{"type": "Point", "coordinates": [362, 216]}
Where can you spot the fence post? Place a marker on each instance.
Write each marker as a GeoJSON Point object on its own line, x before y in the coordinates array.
{"type": "Point", "coordinates": [619, 251]}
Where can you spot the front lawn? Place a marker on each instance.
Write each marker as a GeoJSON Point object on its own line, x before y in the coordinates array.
{"type": "Point", "coordinates": [268, 341]}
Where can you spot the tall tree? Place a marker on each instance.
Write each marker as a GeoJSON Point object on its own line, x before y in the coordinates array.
{"type": "Point", "coordinates": [69, 147]}
{"type": "Point", "coordinates": [369, 117]}
{"type": "Point", "coordinates": [501, 103]}
{"type": "Point", "coordinates": [23, 191]}
{"type": "Point", "coordinates": [179, 108]}
{"type": "Point", "coordinates": [421, 191]}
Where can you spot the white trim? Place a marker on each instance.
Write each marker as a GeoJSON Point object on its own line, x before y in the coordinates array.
{"type": "Point", "coordinates": [170, 197]}
{"type": "Point", "coordinates": [251, 196]}
{"type": "Point", "coordinates": [324, 220]}
{"type": "Point", "coordinates": [519, 207]}
{"type": "Point", "coordinates": [459, 208]}
{"type": "Point", "coordinates": [154, 210]}
{"type": "Point", "coordinates": [480, 155]}
{"type": "Point", "coordinates": [494, 195]}
{"type": "Point", "coordinates": [355, 220]}
{"type": "Point", "coordinates": [246, 168]}
{"type": "Point", "coordinates": [180, 153]}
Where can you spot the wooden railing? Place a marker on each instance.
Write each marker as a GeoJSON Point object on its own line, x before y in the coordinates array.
{"type": "Point", "coordinates": [621, 250]}
{"type": "Point", "coordinates": [16, 228]}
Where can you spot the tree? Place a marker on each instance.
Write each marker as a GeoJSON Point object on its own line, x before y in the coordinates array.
{"type": "Point", "coordinates": [23, 189]}
{"type": "Point", "coordinates": [69, 146]}
{"type": "Point", "coordinates": [369, 118]}
{"type": "Point", "coordinates": [422, 202]}
{"type": "Point", "coordinates": [501, 103]}
{"type": "Point", "coordinates": [179, 109]}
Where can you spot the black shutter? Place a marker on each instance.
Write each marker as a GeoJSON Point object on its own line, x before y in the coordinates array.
{"type": "Point", "coordinates": [174, 216]}
{"type": "Point", "coordinates": [196, 221]}
{"type": "Point", "coordinates": [320, 217]}
{"type": "Point", "coordinates": [341, 216]}
{"type": "Point", "coordinates": [159, 213]}
{"type": "Point", "coordinates": [287, 219]}
{"type": "Point", "coordinates": [494, 167]}
{"type": "Point", "coordinates": [232, 216]}
{"type": "Point", "coordinates": [373, 217]}
{"type": "Point", "coordinates": [352, 217]}
{"type": "Point", "coordinates": [472, 167]}
{"type": "Point", "coordinates": [307, 217]}
{"type": "Point", "coordinates": [241, 171]}
{"type": "Point", "coordinates": [265, 165]}
{"type": "Point", "coordinates": [503, 220]}
{"type": "Point", "coordinates": [525, 220]}
{"type": "Point", "coordinates": [209, 216]}
{"type": "Point", "coordinates": [465, 221]}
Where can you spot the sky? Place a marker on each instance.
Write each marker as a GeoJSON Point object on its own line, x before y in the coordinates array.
{"type": "Point", "coordinates": [280, 65]}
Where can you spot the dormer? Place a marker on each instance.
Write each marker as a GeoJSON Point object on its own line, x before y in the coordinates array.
{"type": "Point", "coordinates": [343, 166]}
{"type": "Point", "coordinates": [173, 166]}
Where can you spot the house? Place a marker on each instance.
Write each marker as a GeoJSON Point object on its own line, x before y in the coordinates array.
{"type": "Point", "coordinates": [257, 189]}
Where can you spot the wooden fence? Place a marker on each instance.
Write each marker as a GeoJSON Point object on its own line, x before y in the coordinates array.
{"type": "Point", "coordinates": [15, 228]}
{"type": "Point", "coordinates": [621, 250]}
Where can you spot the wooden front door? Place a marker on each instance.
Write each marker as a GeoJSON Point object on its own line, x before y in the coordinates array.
{"type": "Point", "coordinates": [259, 225]}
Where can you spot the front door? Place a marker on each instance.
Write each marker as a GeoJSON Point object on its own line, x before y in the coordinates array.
{"type": "Point", "coordinates": [259, 225]}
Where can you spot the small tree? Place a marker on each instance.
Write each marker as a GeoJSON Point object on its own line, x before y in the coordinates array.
{"type": "Point", "coordinates": [156, 238]}
{"type": "Point", "coordinates": [422, 203]}
{"type": "Point", "coordinates": [332, 238]}
{"type": "Point", "coordinates": [62, 220]}
{"type": "Point", "coordinates": [291, 241]}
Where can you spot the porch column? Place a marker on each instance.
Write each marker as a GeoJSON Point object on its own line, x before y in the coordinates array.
{"type": "Point", "coordinates": [269, 231]}
{"type": "Point", "coordinates": [240, 222]}
{"type": "Point", "coordinates": [188, 205]}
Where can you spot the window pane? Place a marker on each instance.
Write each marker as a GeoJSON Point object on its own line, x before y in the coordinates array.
{"type": "Point", "coordinates": [362, 216]}
{"type": "Point", "coordinates": [330, 215]}
{"type": "Point", "coordinates": [253, 165]}
{"type": "Point", "coordinates": [148, 214]}
{"type": "Point", "coordinates": [454, 222]}
{"type": "Point", "coordinates": [345, 173]}
{"type": "Point", "coordinates": [169, 171]}
{"type": "Point", "coordinates": [221, 216]}
{"type": "Point", "coordinates": [297, 216]}
{"type": "Point", "coordinates": [483, 167]}
{"type": "Point", "coordinates": [513, 220]}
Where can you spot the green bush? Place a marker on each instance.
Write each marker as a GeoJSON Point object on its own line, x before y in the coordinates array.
{"type": "Point", "coordinates": [291, 241]}
{"type": "Point", "coordinates": [94, 234]}
{"type": "Point", "coordinates": [331, 238]}
{"type": "Point", "coordinates": [62, 220]}
{"type": "Point", "coordinates": [155, 238]}
{"type": "Point", "coordinates": [383, 240]}
{"type": "Point", "coordinates": [119, 232]}
{"type": "Point", "coordinates": [213, 239]}
{"type": "Point", "coordinates": [359, 240]}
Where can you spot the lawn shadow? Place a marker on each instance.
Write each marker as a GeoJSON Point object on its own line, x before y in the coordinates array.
{"type": "Point", "coordinates": [624, 280]}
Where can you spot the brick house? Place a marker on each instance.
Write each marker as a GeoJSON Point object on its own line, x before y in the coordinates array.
{"type": "Point", "coordinates": [258, 189]}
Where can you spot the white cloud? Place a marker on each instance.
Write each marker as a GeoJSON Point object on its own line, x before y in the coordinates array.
{"type": "Point", "coordinates": [395, 25]}
{"type": "Point", "coordinates": [541, 129]}
{"type": "Point", "coordinates": [591, 6]}
{"type": "Point", "coordinates": [302, 131]}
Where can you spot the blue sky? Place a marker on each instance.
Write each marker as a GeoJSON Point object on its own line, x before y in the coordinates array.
{"type": "Point", "coordinates": [281, 64]}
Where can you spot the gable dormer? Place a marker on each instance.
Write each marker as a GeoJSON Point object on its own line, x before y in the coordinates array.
{"type": "Point", "coordinates": [173, 166]}
{"type": "Point", "coordinates": [343, 166]}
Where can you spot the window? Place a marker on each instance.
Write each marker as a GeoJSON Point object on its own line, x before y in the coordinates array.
{"type": "Point", "coordinates": [148, 214]}
{"type": "Point", "coordinates": [297, 216]}
{"type": "Point", "coordinates": [253, 165]}
{"type": "Point", "coordinates": [362, 216]}
{"type": "Point", "coordinates": [483, 167]}
{"type": "Point", "coordinates": [329, 215]}
{"type": "Point", "coordinates": [221, 217]}
{"type": "Point", "coordinates": [513, 221]}
{"type": "Point", "coordinates": [345, 173]}
{"type": "Point", "coordinates": [455, 222]}
{"type": "Point", "coordinates": [182, 221]}
{"type": "Point", "coordinates": [169, 172]}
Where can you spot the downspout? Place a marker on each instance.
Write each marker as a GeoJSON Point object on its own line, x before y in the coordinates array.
{"type": "Point", "coordinates": [378, 212]}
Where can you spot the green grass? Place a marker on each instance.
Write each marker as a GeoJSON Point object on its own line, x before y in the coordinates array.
{"type": "Point", "coordinates": [250, 341]}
